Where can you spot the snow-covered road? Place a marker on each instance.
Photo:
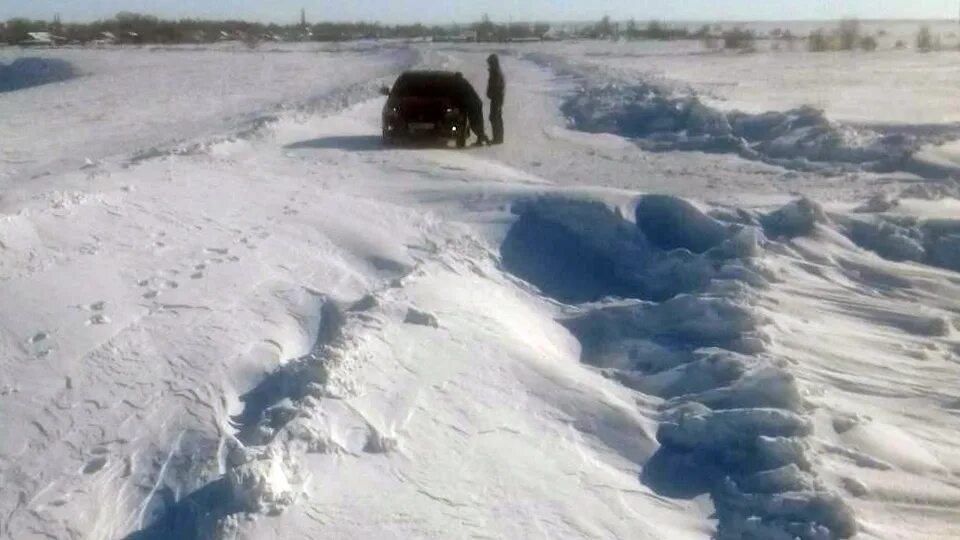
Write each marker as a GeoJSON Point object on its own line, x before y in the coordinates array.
{"type": "Point", "coordinates": [257, 322]}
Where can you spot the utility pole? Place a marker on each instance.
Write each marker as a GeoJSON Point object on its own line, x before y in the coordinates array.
{"type": "Point", "coordinates": [303, 18]}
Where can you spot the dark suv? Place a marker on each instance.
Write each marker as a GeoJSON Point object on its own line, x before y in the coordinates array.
{"type": "Point", "coordinates": [423, 105]}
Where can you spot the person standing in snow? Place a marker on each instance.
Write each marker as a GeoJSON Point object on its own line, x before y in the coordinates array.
{"type": "Point", "coordinates": [496, 88]}
{"type": "Point", "coordinates": [470, 102]}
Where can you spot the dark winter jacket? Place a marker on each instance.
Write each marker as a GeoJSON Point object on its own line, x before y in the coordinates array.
{"type": "Point", "coordinates": [496, 85]}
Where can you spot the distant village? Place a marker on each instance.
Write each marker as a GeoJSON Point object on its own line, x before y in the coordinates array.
{"type": "Point", "coordinates": [132, 29]}
{"type": "Point", "coordinates": [136, 29]}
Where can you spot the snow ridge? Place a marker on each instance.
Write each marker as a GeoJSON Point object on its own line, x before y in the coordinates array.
{"type": "Point", "coordinates": [734, 422]}
{"type": "Point", "coordinates": [284, 416]}
{"type": "Point", "coordinates": [664, 119]}
{"type": "Point", "coordinates": [931, 241]}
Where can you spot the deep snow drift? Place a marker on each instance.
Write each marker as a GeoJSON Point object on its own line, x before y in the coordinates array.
{"type": "Point", "coordinates": [733, 421]}
{"type": "Point", "coordinates": [263, 324]}
{"type": "Point", "coordinates": [26, 72]}
{"type": "Point", "coordinates": [801, 139]}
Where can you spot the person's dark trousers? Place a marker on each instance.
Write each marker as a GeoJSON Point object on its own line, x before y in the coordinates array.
{"type": "Point", "coordinates": [496, 119]}
{"type": "Point", "coordinates": [475, 116]}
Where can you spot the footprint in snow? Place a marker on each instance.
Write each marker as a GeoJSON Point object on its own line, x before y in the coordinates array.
{"type": "Point", "coordinates": [41, 344]}
{"type": "Point", "coordinates": [96, 306]}
{"type": "Point", "coordinates": [95, 465]}
{"type": "Point", "coordinates": [218, 251]}
{"type": "Point", "coordinates": [98, 319]}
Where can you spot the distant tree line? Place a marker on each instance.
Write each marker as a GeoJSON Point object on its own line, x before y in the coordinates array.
{"type": "Point", "coordinates": [712, 37]}
{"type": "Point", "coordinates": [847, 36]}
{"type": "Point", "coordinates": [631, 30]}
{"type": "Point", "coordinates": [138, 28]}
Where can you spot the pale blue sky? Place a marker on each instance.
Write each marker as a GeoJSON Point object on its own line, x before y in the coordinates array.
{"type": "Point", "coordinates": [442, 11]}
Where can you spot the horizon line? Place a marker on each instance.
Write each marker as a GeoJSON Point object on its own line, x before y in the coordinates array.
{"type": "Point", "coordinates": [508, 20]}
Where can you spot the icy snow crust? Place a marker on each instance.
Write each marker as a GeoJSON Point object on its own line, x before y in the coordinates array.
{"type": "Point", "coordinates": [274, 327]}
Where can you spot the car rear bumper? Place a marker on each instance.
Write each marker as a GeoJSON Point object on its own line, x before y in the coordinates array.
{"type": "Point", "coordinates": [422, 129]}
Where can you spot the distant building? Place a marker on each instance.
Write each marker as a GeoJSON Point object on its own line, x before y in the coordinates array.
{"type": "Point", "coordinates": [470, 36]}
{"type": "Point", "coordinates": [555, 34]}
{"type": "Point", "coordinates": [42, 39]}
{"type": "Point", "coordinates": [131, 37]}
{"type": "Point", "coordinates": [106, 38]}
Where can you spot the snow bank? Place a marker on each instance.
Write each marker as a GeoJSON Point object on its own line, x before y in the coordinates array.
{"type": "Point", "coordinates": [581, 251]}
{"type": "Point", "coordinates": [798, 218]}
{"type": "Point", "coordinates": [735, 422]}
{"type": "Point", "coordinates": [672, 223]}
{"type": "Point", "coordinates": [800, 139]}
{"type": "Point", "coordinates": [26, 72]}
{"type": "Point", "coordinates": [935, 242]}
{"type": "Point", "coordinates": [726, 429]}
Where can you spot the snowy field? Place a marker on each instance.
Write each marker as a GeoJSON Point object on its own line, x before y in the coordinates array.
{"type": "Point", "coordinates": [679, 302]}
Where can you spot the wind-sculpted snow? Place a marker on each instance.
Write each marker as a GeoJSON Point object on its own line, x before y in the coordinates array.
{"type": "Point", "coordinates": [876, 226]}
{"type": "Point", "coordinates": [281, 420]}
{"type": "Point", "coordinates": [26, 72]}
{"type": "Point", "coordinates": [800, 139]}
{"type": "Point", "coordinates": [579, 251]}
{"type": "Point", "coordinates": [935, 242]}
{"type": "Point", "coordinates": [674, 223]}
{"type": "Point", "coordinates": [687, 328]}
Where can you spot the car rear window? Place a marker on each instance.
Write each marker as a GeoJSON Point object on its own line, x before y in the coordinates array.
{"type": "Point", "coordinates": [425, 85]}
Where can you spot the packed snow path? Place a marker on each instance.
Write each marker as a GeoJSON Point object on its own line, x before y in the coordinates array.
{"type": "Point", "coordinates": [294, 331]}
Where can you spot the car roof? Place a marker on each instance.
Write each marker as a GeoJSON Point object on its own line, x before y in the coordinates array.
{"type": "Point", "coordinates": [426, 84]}
{"type": "Point", "coordinates": [426, 75]}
